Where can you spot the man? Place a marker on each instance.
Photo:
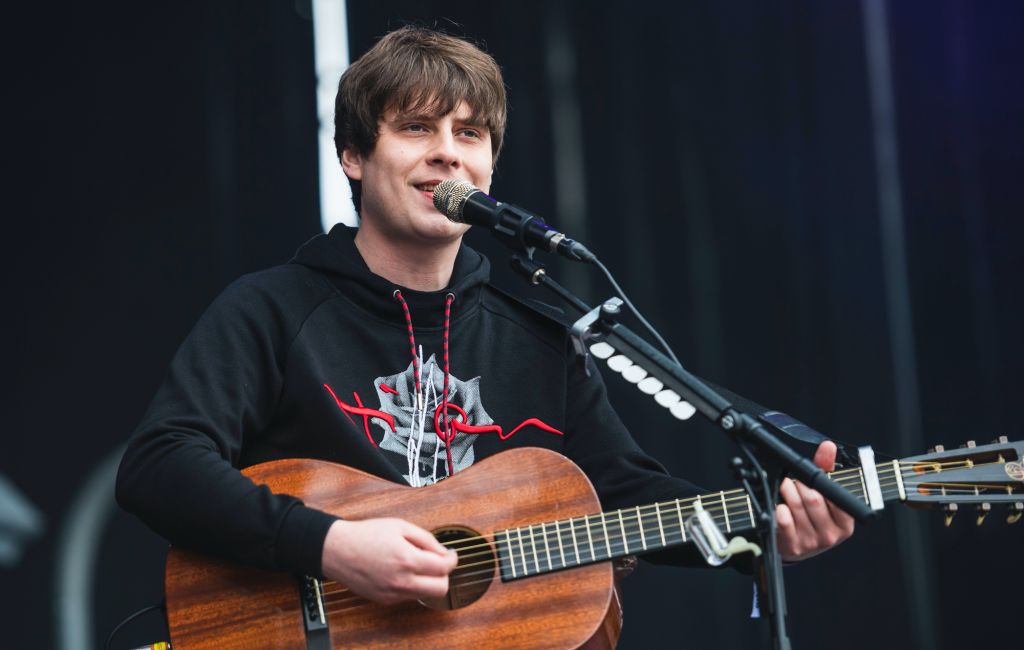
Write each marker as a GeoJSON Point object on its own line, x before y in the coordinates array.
{"type": "Point", "coordinates": [386, 349]}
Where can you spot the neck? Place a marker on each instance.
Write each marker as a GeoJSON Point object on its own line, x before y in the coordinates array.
{"type": "Point", "coordinates": [414, 265]}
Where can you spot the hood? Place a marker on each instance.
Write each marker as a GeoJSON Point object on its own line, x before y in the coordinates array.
{"type": "Point", "coordinates": [335, 254]}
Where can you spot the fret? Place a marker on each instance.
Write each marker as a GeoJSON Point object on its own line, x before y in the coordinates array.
{"type": "Point", "coordinates": [510, 554]}
{"type": "Point", "coordinates": [533, 545]}
{"type": "Point", "coordinates": [863, 485]}
{"type": "Point", "coordinates": [640, 523]}
{"type": "Point", "coordinates": [590, 538]}
{"type": "Point", "coordinates": [561, 551]}
{"type": "Point", "coordinates": [661, 529]}
{"type": "Point", "coordinates": [575, 546]}
{"type": "Point", "coordinates": [679, 512]}
{"type": "Point", "coordinates": [547, 550]}
{"type": "Point", "coordinates": [625, 541]}
{"type": "Point", "coordinates": [725, 507]}
{"type": "Point", "coordinates": [522, 550]}
{"type": "Point", "coordinates": [750, 511]}
{"type": "Point", "coordinates": [607, 541]}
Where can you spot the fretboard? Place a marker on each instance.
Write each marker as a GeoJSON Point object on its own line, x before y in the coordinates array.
{"type": "Point", "coordinates": [554, 545]}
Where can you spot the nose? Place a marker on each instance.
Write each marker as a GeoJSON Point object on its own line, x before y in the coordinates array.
{"type": "Point", "coordinates": [444, 151]}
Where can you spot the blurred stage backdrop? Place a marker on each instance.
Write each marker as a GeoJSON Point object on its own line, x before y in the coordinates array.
{"type": "Point", "coordinates": [818, 203]}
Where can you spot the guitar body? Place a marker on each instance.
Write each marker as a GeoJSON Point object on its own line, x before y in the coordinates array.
{"type": "Point", "coordinates": [214, 604]}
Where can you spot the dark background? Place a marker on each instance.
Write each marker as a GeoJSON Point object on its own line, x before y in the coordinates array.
{"type": "Point", "coordinates": [731, 180]}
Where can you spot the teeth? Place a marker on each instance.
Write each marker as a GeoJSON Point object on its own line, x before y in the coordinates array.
{"type": "Point", "coordinates": [427, 188]}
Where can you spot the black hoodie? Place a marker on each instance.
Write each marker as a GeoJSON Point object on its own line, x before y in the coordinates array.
{"type": "Point", "coordinates": [312, 359]}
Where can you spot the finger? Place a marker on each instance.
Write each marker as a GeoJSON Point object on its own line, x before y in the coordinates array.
{"type": "Point", "coordinates": [791, 497]}
{"type": "Point", "coordinates": [818, 513]}
{"type": "Point", "coordinates": [424, 540]}
{"type": "Point", "coordinates": [845, 522]}
{"type": "Point", "coordinates": [786, 528]}
{"type": "Point", "coordinates": [427, 586]}
{"type": "Point", "coordinates": [427, 563]}
{"type": "Point", "coordinates": [825, 455]}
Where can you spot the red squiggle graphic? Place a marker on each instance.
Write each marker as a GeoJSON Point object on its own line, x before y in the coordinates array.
{"type": "Point", "coordinates": [388, 389]}
{"type": "Point", "coordinates": [362, 411]}
{"type": "Point", "coordinates": [457, 425]}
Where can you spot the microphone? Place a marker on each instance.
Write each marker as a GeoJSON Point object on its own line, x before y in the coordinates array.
{"type": "Point", "coordinates": [461, 202]}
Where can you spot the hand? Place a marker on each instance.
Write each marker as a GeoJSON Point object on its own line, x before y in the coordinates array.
{"type": "Point", "coordinates": [387, 560]}
{"type": "Point", "coordinates": [807, 523]}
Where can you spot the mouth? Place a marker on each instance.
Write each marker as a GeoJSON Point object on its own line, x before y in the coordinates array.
{"type": "Point", "coordinates": [428, 187]}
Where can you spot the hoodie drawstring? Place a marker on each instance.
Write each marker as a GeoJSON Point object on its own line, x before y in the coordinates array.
{"type": "Point", "coordinates": [446, 422]}
{"type": "Point", "coordinates": [420, 397]}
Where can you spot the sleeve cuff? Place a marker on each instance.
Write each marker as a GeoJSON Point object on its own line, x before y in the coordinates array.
{"type": "Point", "coordinates": [300, 541]}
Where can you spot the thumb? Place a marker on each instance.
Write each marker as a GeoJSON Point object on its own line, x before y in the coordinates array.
{"type": "Point", "coordinates": [825, 456]}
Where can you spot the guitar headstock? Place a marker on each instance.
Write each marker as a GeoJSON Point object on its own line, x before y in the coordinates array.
{"type": "Point", "coordinates": [982, 477]}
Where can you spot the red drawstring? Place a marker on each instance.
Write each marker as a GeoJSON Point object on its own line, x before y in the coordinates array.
{"type": "Point", "coordinates": [412, 344]}
{"type": "Point", "coordinates": [446, 421]}
{"type": "Point", "coordinates": [448, 437]}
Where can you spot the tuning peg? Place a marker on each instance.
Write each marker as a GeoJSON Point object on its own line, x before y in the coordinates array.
{"type": "Point", "coordinates": [983, 510]}
{"type": "Point", "coordinates": [936, 448]}
{"type": "Point", "coordinates": [951, 509]}
{"type": "Point", "coordinates": [970, 444]}
{"type": "Point", "coordinates": [1016, 510]}
{"type": "Point", "coordinates": [1001, 440]}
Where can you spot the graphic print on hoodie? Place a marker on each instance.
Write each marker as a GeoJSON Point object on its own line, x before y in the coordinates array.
{"type": "Point", "coordinates": [420, 434]}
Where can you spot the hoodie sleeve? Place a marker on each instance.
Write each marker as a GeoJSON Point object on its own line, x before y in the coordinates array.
{"type": "Point", "coordinates": [180, 474]}
{"type": "Point", "coordinates": [622, 473]}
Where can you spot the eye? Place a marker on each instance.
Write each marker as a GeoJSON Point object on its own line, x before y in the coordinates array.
{"type": "Point", "coordinates": [470, 133]}
{"type": "Point", "coordinates": [414, 127]}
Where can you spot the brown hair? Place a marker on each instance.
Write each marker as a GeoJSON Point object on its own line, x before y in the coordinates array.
{"type": "Point", "coordinates": [411, 70]}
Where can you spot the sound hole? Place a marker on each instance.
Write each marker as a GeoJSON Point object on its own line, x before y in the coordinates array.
{"type": "Point", "coordinates": [474, 573]}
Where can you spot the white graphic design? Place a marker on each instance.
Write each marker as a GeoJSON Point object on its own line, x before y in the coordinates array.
{"type": "Point", "coordinates": [415, 435]}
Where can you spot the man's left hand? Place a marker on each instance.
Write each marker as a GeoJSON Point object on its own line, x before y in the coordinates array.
{"type": "Point", "coordinates": [807, 523]}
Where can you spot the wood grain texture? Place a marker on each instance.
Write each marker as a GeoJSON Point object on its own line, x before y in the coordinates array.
{"type": "Point", "coordinates": [213, 604]}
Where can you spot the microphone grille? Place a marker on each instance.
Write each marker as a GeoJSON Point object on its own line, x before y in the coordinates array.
{"type": "Point", "coordinates": [450, 196]}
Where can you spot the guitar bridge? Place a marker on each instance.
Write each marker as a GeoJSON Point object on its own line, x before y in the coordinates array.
{"type": "Point", "coordinates": [314, 618]}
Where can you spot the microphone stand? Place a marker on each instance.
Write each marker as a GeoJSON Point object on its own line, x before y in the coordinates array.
{"type": "Point", "coordinates": [752, 438]}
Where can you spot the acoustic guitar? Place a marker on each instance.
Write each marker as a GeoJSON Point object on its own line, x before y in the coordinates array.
{"type": "Point", "coordinates": [532, 544]}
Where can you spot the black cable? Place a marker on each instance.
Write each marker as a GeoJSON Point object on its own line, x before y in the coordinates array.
{"type": "Point", "coordinates": [636, 312]}
{"type": "Point", "coordinates": [128, 620]}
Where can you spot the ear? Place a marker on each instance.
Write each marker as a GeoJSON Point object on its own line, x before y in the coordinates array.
{"type": "Point", "coordinates": [352, 164]}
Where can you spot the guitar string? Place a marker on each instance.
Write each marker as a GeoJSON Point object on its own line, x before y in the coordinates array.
{"type": "Point", "coordinates": [845, 478]}
{"type": "Point", "coordinates": [844, 481]}
{"type": "Point", "coordinates": [614, 537]}
{"type": "Point", "coordinates": [685, 503]}
{"type": "Point", "coordinates": [464, 548]}
{"type": "Point", "coordinates": [848, 477]}
{"type": "Point", "coordinates": [492, 566]}
{"type": "Point", "coordinates": [839, 476]}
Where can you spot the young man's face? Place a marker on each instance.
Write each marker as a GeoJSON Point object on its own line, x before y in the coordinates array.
{"type": "Point", "coordinates": [413, 154]}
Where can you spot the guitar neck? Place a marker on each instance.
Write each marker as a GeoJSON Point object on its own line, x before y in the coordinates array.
{"type": "Point", "coordinates": [566, 543]}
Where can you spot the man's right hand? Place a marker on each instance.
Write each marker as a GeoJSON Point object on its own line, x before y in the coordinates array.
{"type": "Point", "coordinates": [387, 560]}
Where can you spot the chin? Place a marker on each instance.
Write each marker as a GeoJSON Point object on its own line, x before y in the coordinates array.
{"type": "Point", "coordinates": [442, 230]}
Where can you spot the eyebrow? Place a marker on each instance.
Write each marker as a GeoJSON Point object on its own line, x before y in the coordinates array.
{"type": "Point", "coordinates": [424, 116]}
